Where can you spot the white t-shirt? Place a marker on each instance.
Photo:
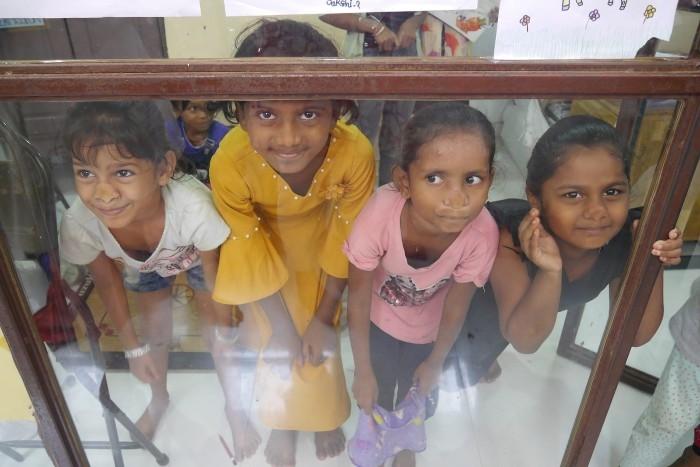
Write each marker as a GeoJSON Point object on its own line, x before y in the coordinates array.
{"type": "Point", "coordinates": [192, 224]}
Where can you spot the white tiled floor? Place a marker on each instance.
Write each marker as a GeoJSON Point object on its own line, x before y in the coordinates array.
{"type": "Point", "coordinates": [522, 419]}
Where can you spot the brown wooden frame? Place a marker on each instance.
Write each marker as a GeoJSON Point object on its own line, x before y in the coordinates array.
{"type": "Point", "coordinates": [389, 79]}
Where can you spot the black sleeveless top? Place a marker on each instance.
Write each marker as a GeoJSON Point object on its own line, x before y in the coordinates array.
{"type": "Point", "coordinates": [481, 340]}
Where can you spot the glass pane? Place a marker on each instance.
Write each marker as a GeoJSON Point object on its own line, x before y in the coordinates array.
{"type": "Point", "coordinates": [19, 438]}
{"type": "Point", "coordinates": [657, 428]}
{"type": "Point", "coordinates": [288, 182]}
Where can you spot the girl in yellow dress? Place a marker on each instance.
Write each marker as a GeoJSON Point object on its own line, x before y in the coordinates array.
{"type": "Point", "coordinates": [289, 181]}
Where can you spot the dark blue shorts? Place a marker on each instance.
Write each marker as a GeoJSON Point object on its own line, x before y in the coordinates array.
{"type": "Point", "coordinates": [152, 281]}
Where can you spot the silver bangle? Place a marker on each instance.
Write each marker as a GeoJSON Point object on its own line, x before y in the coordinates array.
{"type": "Point", "coordinates": [219, 336]}
{"type": "Point", "coordinates": [137, 352]}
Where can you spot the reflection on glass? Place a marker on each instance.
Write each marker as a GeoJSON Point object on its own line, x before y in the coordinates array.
{"type": "Point", "coordinates": [657, 429]}
{"type": "Point", "coordinates": [258, 370]}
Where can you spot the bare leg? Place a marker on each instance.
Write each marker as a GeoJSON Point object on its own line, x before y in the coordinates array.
{"type": "Point", "coordinates": [235, 367]}
{"type": "Point", "coordinates": [157, 328]}
{"type": "Point", "coordinates": [281, 448]}
{"type": "Point", "coordinates": [405, 459]}
{"type": "Point", "coordinates": [329, 443]}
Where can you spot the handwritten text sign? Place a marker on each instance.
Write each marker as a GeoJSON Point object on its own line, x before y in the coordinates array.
{"type": "Point", "coordinates": [272, 7]}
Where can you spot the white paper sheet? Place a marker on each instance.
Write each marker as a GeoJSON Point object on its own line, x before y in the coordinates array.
{"type": "Point", "coordinates": [580, 28]}
{"type": "Point", "coordinates": [286, 7]}
{"type": "Point", "coordinates": [97, 8]}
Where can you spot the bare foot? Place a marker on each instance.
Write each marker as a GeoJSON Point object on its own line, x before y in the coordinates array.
{"type": "Point", "coordinates": [329, 443]}
{"type": "Point", "coordinates": [149, 420]}
{"type": "Point", "coordinates": [405, 459]}
{"type": "Point", "coordinates": [281, 448]}
{"type": "Point", "coordinates": [688, 459]}
{"type": "Point", "coordinates": [493, 373]}
{"type": "Point", "coordinates": [245, 438]}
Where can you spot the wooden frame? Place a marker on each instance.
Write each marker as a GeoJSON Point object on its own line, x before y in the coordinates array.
{"type": "Point", "coordinates": [394, 79]}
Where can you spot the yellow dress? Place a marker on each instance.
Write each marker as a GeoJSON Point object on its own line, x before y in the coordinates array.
{"type": "Point", "coordinates": [282, 240]}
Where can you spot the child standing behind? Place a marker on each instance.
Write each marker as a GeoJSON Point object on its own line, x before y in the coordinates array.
{"type": "Point", "coordinates": [135, 219]}
{"type": "Point", "coordinates": [290, 181]}
{"type": "Point", "coordinates": [196, 134]}
{"type": "Point", "coordinates": [418, 251]}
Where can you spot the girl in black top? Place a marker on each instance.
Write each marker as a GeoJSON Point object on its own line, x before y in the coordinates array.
{"type": "Point", "coordinates": [562, 248]}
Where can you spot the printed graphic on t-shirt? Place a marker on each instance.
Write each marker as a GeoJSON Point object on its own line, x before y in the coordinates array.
{"type": "Point", "coordinates": [171, 262]}
{"type": "Point", "coordinates": [401, 291]}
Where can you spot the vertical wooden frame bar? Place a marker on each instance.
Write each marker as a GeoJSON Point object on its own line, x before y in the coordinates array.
{"type": "Point", "coordinates": [55, 424]}
{"type": "Point", "coordinates": [664, 202]}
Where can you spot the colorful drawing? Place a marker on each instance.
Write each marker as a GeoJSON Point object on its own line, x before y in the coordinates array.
{"type": "Point", "coordinates": [594, 15]}
{"type": "Point", "coordinates": [565, 4]}
{"type": "Point", "coordinates": [649, 12]}
{"type": "Point", "coordinates": [473, 23]}
{"type": "Point", "coordinates": [623, 4]}
{"type": "Point", "coordinates": [525, 21]}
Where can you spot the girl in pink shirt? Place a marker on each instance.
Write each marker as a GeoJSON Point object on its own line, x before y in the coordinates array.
{"type": "Point", "coordinates": [418, 251]}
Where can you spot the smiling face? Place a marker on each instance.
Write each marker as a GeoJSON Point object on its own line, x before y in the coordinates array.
{"type": "Point", "coordinates": [121, 190]}
{"type": "Point", "coordinates": [448, 182]}
{"type": "Point", "coordinates": [289, 135]}
{"type": "Point", "coordinates": [585, 202]}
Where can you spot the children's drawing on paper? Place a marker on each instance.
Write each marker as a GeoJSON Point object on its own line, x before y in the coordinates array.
{"type": "Point", "coordinates": [566, 4]}
{"type": "Point", "coordinates": [571, 29]}
{"type": "Point", "coordinates": [649, 12]}
{"type": "Point", "coordinates": [525, 21]}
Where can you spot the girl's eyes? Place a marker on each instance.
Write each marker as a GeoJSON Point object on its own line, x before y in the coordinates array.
{"type": "Point", "coordinates": [473, 180]}
{"type": "Point", "coordinates": [124, 173]}
{"type": "Point", "coordinates": [433, 179]}
{"type": "Point", "coordinates": [308, 115]}
{"type": "Point", "coordinates": [82, 173]}
{"type": "Point", "coordinates": [573, 195]}
{"type": "Point", "coordinates": [265, 115]}
{"type": "Point", "coordinates": [613, 192]}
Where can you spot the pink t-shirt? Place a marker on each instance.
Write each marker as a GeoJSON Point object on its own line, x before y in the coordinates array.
{"type": "Point", "coordinates": [407, 302]}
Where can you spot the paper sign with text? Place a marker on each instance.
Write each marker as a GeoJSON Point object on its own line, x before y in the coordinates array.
{"type": "Point", "coordinates": [317, 7]}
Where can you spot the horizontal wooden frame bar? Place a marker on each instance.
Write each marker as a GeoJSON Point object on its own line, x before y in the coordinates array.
{"type": "Point", "coordinates": [435, 78]}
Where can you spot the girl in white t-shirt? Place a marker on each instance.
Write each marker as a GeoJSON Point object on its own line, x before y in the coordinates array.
{"type": "Point", "coordinates": [137, 224]}
{"type": "Point", "coordinates": [418, 251]}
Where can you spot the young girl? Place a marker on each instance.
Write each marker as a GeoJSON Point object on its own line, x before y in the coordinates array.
{"type": "Point", "coordinates": [136, 226]}
{"type": "Point", "coordinates": [196, 134]}
{"type": "Point", "coordinates": [289, 181]}
{"type": "Point", "coordinates": [418, 251]}
{"type": "Point", "coordinates": [562, 248]}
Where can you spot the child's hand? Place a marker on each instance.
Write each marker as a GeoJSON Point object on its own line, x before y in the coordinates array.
{"type": "Point", "coordinates": [144, 368]}
{"type": "Point", "coordinates": [319, 342]}
{"type": "Point", "coordinates": [539, 246]}
{"type": "Point", "coordinates": [386, 40]}
{"type": "Point", "coordinates": [281, 353]}
{"type": "Point", "coordinates": [668, 251]}
{"type": "Point", "coordinates": [427, 376]}
{"type": "Point", "coordinates": [365, 390]}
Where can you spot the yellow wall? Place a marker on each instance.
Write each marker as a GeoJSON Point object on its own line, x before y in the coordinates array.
{"type": "Point", "coordinates": [212, 35]}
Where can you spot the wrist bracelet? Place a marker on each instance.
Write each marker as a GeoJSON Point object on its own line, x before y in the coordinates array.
{"type": "Point", "coordinates": [381, 30]}
{"type": "Point", "coordinates": [222, 338]}
{"type": "Point", "coordinates": [137, 352]}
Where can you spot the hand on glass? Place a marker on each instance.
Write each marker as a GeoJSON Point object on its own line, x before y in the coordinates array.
{"type": "Point", "coordinates": [537, 244]}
